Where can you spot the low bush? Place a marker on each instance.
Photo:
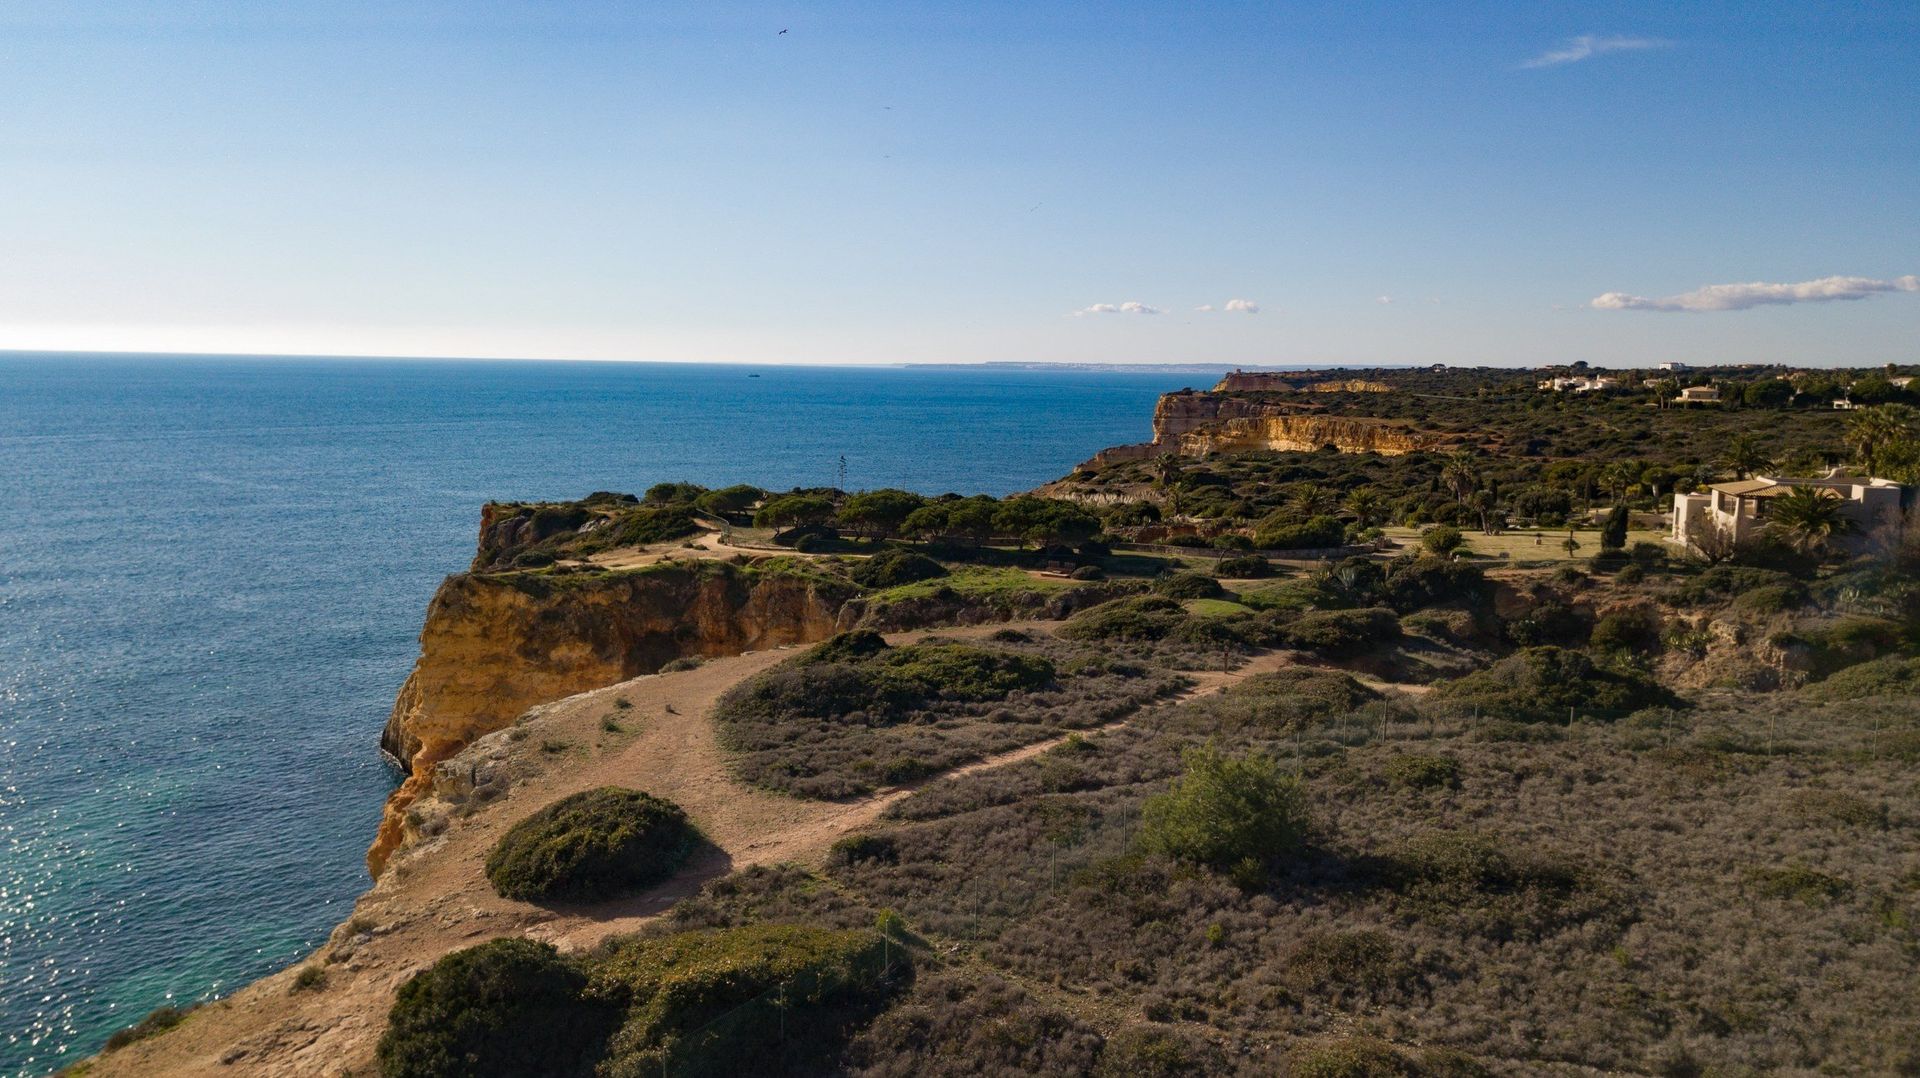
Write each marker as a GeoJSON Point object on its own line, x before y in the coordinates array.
{"type": "Point", "coordinates": [1631, 628]}
{"type": "Point", "coordinates": [1545, 683]}
{"type": "Point", "coordinates": [596, 844]}
{"type": "Point", "coordinates": [157, 1021]}
{"type": "Point", "coordinates": [955, 1023]}
{"type": "Point", "coordinates": [1150, 1051]}
{"type": "Point", "coordinates": [1417, 771]}
{"type": "Point", "coordinates": [1474, 882]}
{"type": "Point", "coordinates": [1189, 586]}
{"type": "Point", "coordinates": [1726, 581]}
{"type": "Point", "coordinates": [1314, 533]}
{"type": "Point", "coordinates": [1341, 632]}
{"type": "Point", "coordinates": [1146, 617]}
{"type": "Point", "coordinates": [641, 526]}
{"type": "Point", "coordinates": [1240, 814]}
{"type": "Point", "coordinates": [1548, 621]}
{"type": "Point", "coordinates": [1840, 807]}
{"type": "Point", "coordinates": [1444, 539]}
{"type": "Point", "coordinates": [508, 1006]}
{"type": "Point", "coordinates": [1894, 675]}
{"type": "Point", "coordinates": [1251, 567]}
{"type": "Point", "coordinates": [1088, 572]}
{"type": "Point", "coordinates": [1411, 584]}
{"type": "Point", "coordinates": [892, 568]}
{"type": "Point", "coordinates": [1799, 883]}
{"type": "Point", "coordinates": [768, 998]}
{"type": "Point", "coordinates": [1772, 599]}
{"type": "Point", "coordinates": [847, 647]}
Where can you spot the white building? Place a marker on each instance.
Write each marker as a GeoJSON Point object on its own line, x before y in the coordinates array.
{"type": "Point", "coordinates": [1739, 510]}
{"type": "Point", "coordinates": [1591, 384]}
{"type": "Point", "coordinates": [1698, 395]}
{"type": "Point", "coordinates": [1674, 366]}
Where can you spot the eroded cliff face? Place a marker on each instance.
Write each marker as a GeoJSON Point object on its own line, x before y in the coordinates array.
{"type": "Point", "coordinates": [1196, 424]}
{"type": "Point", "coordinates": [495, 645]}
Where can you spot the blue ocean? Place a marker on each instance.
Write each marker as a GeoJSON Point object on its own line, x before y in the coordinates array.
{"type": "Point", "coordinates": [212, 571]}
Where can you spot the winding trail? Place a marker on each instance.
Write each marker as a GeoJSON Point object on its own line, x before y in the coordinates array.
{"type": "Point", "coordinates": [435, 898]}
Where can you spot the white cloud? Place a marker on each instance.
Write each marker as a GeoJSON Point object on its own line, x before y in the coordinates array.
{"type": "Point", "coordinates": [1129, 307]}
{"type": "Point", "coordinates": [1383, 300]}
{"type": "Point", "coordinates": [1205, 308]}
{"type": "Point", "coordinates": [1739, 297]}
{"type": "Point", "coordinates": [1587, 46]}
{"type": "Point", "coordinates": [1242, 306]}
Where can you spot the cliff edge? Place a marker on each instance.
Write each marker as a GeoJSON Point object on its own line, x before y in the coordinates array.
{"type": "Point", "coordinates": [495, 645]}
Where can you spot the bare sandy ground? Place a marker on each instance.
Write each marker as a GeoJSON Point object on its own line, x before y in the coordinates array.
{"type": "Point", "coordinates": [435, 897]}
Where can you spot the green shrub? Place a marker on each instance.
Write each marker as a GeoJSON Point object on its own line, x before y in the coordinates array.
{"type": "Point", "coordinates": [1548, 621]}
{"type": "Point", "coordinates": [641, 526]}
{"type": "Point", "coordinates": [1088, 572]}
{"type": "Point", "coordinates": [1241, 814]}
{"type": "Point", "coordinates": [1367, 1057]}
{"type": "Point", "coordinates": [1415, 771]}
{"type": "Point", "coordinates": [1158, 1052]}
{"type": "Point", "coordinates": [1315, 533]}
{"type": "Point", "coordinates": [508, 1006]}
{"type": "Point", "coordinates": [1543, 683]}
{"type": "Point", "coordinates": [1894, 675]}
{"type": "Point", "coordinates": [1444, 539]}
{"type": "Point", "coordinates": [157, 1021]}
{"type": "Point", "coordinates": [1145, 617]}
{"type": "Point", "coordinates": [844, 676]}
{"type": "Point", "coordinates": [892, 568]}
{"type": "Point", "coordinates": [595, 844]}
{"type": "Point", "coordinates": [1648, 555]}
{"type": "Point", "coordinates": [1729, 581]}
{"type": "Point", "coordinates": [1251, 567]}
{"type": "Point", "coordinates": [1772, 599]}
{"type": "Point", "coordinates": [1841, 807]}
{"type": "Point", "coordinates": [1412, 584]}
{"type": "Point", "coordinates": [767, 999]}
{"type": "Point", "coordinates": [1189, 586]}
{"type": "Point", "coordinates": [847, 647]}
{"type": "Point", "coordinates": [963, 671]}
{"type": "Point", "coordinates": [1633, 628]}
{"type": "Point", "coordinates": [1341, 632]}
{"type": "Point", "coordinates": [1799, 883]}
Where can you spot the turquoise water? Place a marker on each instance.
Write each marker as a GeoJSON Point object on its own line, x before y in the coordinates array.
{"type": "Point", "coordinates": [212, 572]}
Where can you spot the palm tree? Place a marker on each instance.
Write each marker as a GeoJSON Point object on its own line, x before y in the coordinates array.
{"type": "Point", "coordinates": [1365, 506]}
{"type": "Point", "coordinates": [1460, 476]}
{"type": "Point", "coordinates": [1745, 457]}
{"type": "Point", "coordinates": [1618, 477]}
{"type": "Point", "coordinates": [1809, 517]}
{"type": "Point", "coordinates": [1312, 500]}
{"type": "Point", "coordinates": [1871, 431]}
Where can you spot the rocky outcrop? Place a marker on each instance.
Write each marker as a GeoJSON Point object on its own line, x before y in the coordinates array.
{"type": "Point", "coordinates": [495, 645]}
{"type": "Point", "coordinates": [1279, 382]}
{"type": "Point", "coordinates": [1196, 424]}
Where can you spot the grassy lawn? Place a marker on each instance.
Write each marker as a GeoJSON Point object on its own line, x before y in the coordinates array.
{"type": "Point", "coordinates": [1215, 608]}
{"type": "Point", "coordinates": [1522, 544]}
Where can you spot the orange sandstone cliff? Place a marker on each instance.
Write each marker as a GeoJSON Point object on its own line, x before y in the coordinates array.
{"type": "Point", "coordinates": [495, 645]}
{"type": "Point", "coordinates": [1197, 424]}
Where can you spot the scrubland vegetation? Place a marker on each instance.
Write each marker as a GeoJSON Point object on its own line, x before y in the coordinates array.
{"type": "Point", "coordinates": [852, 714]}
{"type": "Point", "coordinates": [1648, 813]}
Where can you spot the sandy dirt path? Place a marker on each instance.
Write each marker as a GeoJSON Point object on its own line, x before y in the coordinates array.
{"type": "Point", "coordinates": [435, 897]}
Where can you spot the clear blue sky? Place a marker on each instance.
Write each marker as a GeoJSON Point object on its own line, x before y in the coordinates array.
{"type": "Point", "coordinates": [920, 182]}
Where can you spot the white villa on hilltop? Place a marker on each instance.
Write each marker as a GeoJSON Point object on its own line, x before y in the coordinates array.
{"type": "Point", "coordinates": [1739, 510]}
